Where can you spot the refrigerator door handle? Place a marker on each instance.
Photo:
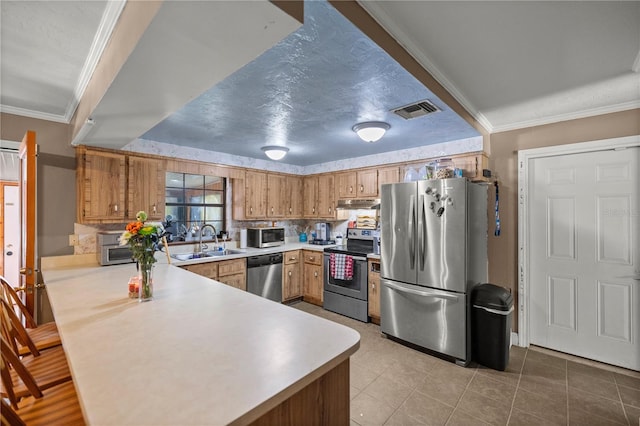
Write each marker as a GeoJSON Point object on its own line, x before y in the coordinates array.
{"type": "Point", "coordinates": [422, 230]}
{"type": "Point", "coordinates": [412, 218]}
{"type": "Point", "coordinates": [421, 293]}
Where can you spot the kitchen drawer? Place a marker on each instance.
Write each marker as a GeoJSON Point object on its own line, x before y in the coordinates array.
{"type": "Point", "coordinates": [312, 257]}
{"type": "Point", "coordinates": [230, 267]}
{"type": "Point", "coordinates": [235, 280]}
{"type": "Point", "coordinates": [291, 257]}
{"type": "Point", "coordinates": [209, 269]}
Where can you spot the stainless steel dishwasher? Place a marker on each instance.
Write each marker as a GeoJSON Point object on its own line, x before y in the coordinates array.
{"type": "Point", "coordinates": [264, 276]}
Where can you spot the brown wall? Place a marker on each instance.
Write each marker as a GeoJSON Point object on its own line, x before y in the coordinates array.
{"type": "Point", "coordinates": [503, 250]}
{"type": "Point", "coordinates": [56, 179]}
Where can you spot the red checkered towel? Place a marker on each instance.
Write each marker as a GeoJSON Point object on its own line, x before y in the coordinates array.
{"type": "Point", "coordinates": [341, 266]}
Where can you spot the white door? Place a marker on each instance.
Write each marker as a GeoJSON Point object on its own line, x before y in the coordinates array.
{"type": "Point", "coordinates": [11, 234]}
{"type": "Point", "coordinates": [584, 255]}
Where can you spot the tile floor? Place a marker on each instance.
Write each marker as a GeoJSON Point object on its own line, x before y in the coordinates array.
{"type": "Point", "coordinates": [394, 385]}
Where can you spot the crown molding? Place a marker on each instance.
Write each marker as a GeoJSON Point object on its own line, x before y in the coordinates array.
{"type": "Point", "coordinates": [103, 35]}
{"type": "Point", "coordinates": [33, 114]}
{"type": "Point", "coordinates": [591, 112]}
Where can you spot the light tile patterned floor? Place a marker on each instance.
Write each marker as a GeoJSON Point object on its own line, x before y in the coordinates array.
{"type": "Point", "coordinates": [394, 385]}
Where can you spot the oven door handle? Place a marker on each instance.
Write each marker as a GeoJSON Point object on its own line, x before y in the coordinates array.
{"type": "Point", "coordinates": [360, 258]}
{"type": "Point", "coordinates": [420, 293]}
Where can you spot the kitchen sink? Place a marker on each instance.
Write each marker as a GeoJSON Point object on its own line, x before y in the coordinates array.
{"type": "Point", "coordinates": [205, 254]}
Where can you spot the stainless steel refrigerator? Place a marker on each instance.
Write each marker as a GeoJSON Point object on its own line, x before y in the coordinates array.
{"type": "Point", "coordinates": [433, 252]}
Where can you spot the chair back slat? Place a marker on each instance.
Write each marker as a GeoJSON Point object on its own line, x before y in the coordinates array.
{"type": "Point", "coordinates": [9, 358]}
{"type": "Point", "coordinates": [8, 416]}
{"type": "Point", "coordinates": [11, 297]}
{"type": "Point", "coordinates": [15, 330]}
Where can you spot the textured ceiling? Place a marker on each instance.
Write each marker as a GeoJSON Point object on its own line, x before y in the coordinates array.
{"type": "Point", "coordinates": [306, 93]}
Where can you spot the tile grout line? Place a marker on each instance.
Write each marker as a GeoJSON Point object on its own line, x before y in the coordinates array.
{"type": "Point", "coordinates": [455, 407]}
{"type": "Point", "coordinates": [513, 401]}
{"type": "Point", "coordinates": [624, 410]}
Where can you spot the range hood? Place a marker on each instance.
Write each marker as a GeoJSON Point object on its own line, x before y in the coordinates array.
{"type": "Point", "coordinates": [373, 203]}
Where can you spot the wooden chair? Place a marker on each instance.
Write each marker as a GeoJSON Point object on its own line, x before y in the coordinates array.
{"type": "Point", "coordinates": [43, 336]}
{"type": "Point", "coordinates": [55, 405]}
{"type": "Point", "coordinates": [47, 367]}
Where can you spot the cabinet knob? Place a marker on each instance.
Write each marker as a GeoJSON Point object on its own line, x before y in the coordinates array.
{"type": "Point", "coordinates": [292, 258]}
{"type": "Point", "coordinates": [271, 210]}
{"type": "Point", "coordinates": [290, 210]}
{"type": "Point", "coordinates": [361, 188]}
{"type": "Point", "coordinates": [315, 274]}
{"type": "Point", "coordinates": [314, 210]}
{"type": "Point", "coordinates": [115, 208]}
{"type": "Point", "coordinates": [251, 210]}
{"type": "Point", "coordinates": [350, 189]}
{"type": "Point", "coordinates": [289, 273]}
{"type": "Point", "coordinates": [154, 209]}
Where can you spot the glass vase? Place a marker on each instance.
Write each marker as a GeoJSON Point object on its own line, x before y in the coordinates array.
{"type": "Point", "coordinates": [145, 272]}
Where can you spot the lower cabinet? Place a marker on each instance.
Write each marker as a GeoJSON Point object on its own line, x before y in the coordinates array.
{"type": "Point", "coordinates": [233, 273]}
{"type": "Point", "coordinates": [313, 281]}
{"type": "Point", "coordinates": [209, 269]}
{"type": "Point", "coordinates": [291, 276]}
{"type": "Point", "coordinates": [230, 272]}
{"type": "Point", "coordinates": [374, 290]}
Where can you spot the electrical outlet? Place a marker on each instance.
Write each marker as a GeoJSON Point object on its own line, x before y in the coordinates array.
{"type": "Point", "coordinates": [73, 240]}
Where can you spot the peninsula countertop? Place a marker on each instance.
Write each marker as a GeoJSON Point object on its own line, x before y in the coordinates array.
{"type": "Point", "coordinates": [200, 353]}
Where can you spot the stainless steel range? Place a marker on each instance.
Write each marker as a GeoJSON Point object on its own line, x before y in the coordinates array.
{"type": "Point", "coordinates": [345, 275]}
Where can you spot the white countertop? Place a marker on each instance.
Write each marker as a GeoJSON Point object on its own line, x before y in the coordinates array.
{"type": "Point", "coordinates": [200, 353]}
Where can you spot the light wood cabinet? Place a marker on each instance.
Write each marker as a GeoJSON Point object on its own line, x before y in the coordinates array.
{"type": "Point", "coordinates": [146, 187]}
{"type": "Point", "coordinates": [255, 194]}
{"type": "Point", "coordinates": [291, 276]}
{"type": "Point", "coordinates": [233, 273]}
{"type": "Point", "coordinates": [276, 195]}
{"type": "Point", "coordinates": [374, 290]}
{"type": "Point", "coordinates": [209, 269]}
{"type": "Point", "coordinates": [326, 197]}
{"type": "Point", "coordinates": [346, 185]}
{"type": "Point", "coordinates": [388, 175]}
{"type": "Point", "coordinates": [367, 183]}
{"type": "Point", "coordinates": [357, 184]}
{"type": "Point", "coordinates": [313, 280]}
{"type": "Point", "coordinates": [293, 197]}
{"type": "Point", "coordinates": [101, 185]}
{"type": "Point", "coordinates": [310, 197]}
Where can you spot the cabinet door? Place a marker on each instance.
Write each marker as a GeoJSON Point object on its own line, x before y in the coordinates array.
{"type": "Point", "coordinates": [255, 195]}
{"type": "Point", "coordinates": [367, 183]}
{"type": "Point", "coordinates": [309, 197]}
{"type": "Point", "coordinates": [291, 285]}
{"type": "Point", "coordinates": [146, 187]}
{"type": "Point", "coordinates": [294, 197]}
{"type": "Point", "coordinates": [326, 197]}
{"type": "Point", "coordinates": [313, 287]}
{"type": "Point", "coordinates": [388, 175]}
{"type": "Point", "coordinates": [209, 269]}
{"type": "Point", "coordinates": [103, 187]}
{"type": "Point", "coordinates": [374, 291]}
{"type": "Point", "coordinates": [236, 280]}
{"type": "Point", "coordinates": [346, 183]}
{"type": "Point", "coordinates": [276, 195]}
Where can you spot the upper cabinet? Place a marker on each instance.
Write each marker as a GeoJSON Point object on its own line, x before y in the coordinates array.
{"type": "Point", "coordinates": [293, 197]}
{"type": "Point", "coordinates": [364, 183]}
{"type": "Point", "coordinates": [276, 196]}
{"type": "Point", "coordinates": [319, 197]}
{"type": "Point", "coordinates": [101, 184]}
{"type": "Point", "coordinates": [113, 187]}
{"type": "Point", "coordinates": [146, 187]}
{"type": "Point", "coordinates": [255, 195]}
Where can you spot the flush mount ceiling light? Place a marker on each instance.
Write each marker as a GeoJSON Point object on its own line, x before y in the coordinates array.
{"type": "Point", "coordinates": [371, 131]}
{"type": "Point", "coordinates": [275, 152]}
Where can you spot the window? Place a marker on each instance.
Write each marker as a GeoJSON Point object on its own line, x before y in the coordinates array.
{"type": "Point", "coordinates": [192, 201]}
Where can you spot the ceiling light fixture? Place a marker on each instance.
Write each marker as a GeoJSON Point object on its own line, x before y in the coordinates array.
{"type": "Point", "coordinates": [275, 152]}
{"type": "Point", "coordinates": [371, 131]}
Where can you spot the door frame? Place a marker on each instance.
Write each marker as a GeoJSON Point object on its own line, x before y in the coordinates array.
{"type": "Point", "coordinates": [524, 157]}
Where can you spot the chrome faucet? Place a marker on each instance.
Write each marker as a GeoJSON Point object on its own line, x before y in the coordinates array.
{"type": "Point", "coordinates": [215, 234]}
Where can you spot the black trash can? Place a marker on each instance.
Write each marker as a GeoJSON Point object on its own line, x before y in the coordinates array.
{"type": "Point", "coordinates": [492, 311]}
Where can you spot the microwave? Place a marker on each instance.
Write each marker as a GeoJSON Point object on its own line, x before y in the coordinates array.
{"type": "Point", "coordinates": [110, 252]}
{"type": "Point", "coordinates": [265, 237]}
